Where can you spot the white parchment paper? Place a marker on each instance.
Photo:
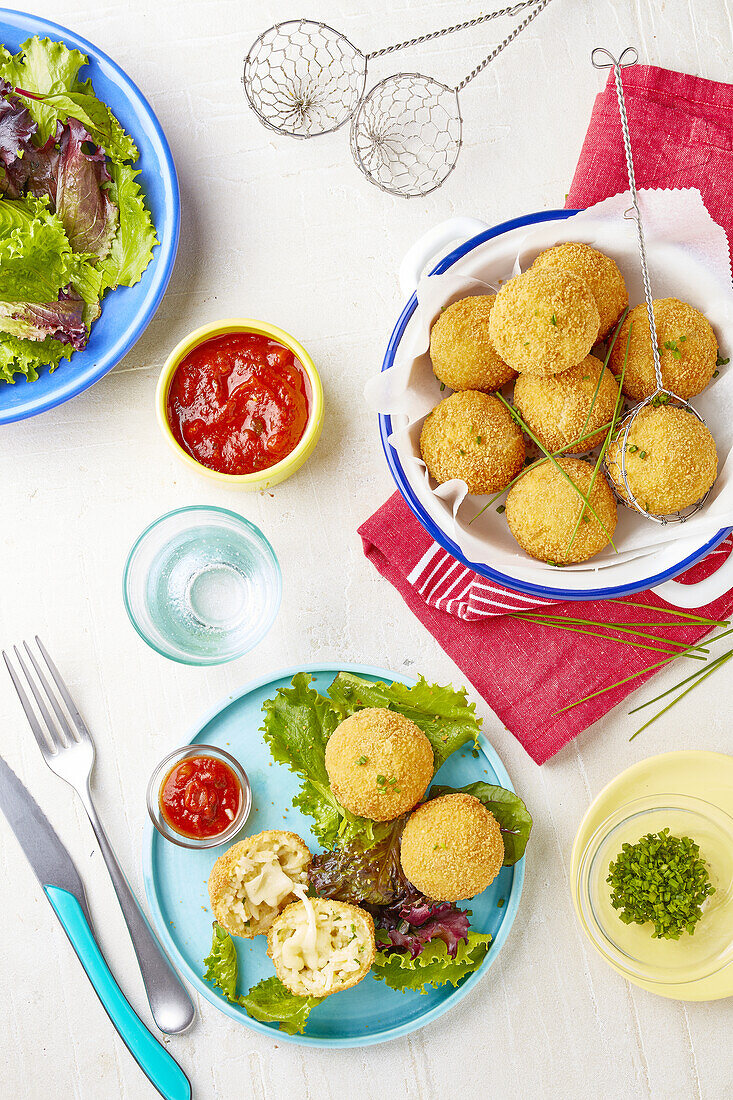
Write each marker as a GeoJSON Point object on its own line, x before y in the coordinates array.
{"type": "Point", "coordinates": [688, 258]}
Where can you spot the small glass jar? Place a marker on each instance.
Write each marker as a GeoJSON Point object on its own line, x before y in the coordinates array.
{"type": "Point", "coordinates": [631, 948]}
{"type": "Point", "coordinates": [160, 774]}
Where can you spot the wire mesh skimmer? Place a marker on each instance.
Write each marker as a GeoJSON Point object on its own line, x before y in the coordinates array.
{"type": "Point", "coordinates": [603, 59]}
{"type": "Point", "coordinates": [303, 78]}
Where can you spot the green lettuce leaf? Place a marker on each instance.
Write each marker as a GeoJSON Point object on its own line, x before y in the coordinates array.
{"type": "Point", "coordinates": [433, 966]}
{"type": "Point", "coordinates": [298, 723]}
{"type": "Point", "coordinates": [86, 279]}
{"type": "Point", "coordinates": [35, 255]}
{"type": "Point", "coordinates": [221, 964]}
{"type": "Point", "coordinates": [132, 246]}
{"type": "Point", "coordinates": [444, 715]}
{"type": "Point", "coordinates": [30, 357]}
{"type": "Point", "coordinates": [48, 69]}
{"type": "Point", "coordinates": [507, 807]}
{"type": "Point", "coordinates": [268, 1001]}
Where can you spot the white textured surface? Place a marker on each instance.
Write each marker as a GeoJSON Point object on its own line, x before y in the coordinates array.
{"type": "Point", "coordinates": [292, 233]}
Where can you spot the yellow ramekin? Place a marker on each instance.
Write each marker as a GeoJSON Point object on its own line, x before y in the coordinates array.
{"type": "Point", "coordinates": [261, 479]}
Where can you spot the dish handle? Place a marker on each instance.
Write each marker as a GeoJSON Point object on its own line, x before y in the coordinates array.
{"type": "Point", "coordinates": [702, 593]}
{"type": "Point", "coordinates": [430, 244]}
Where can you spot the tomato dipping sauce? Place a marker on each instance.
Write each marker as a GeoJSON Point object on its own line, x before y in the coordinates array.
{"type": "Point", "coordinates": [239, 403]}
{"type": "Point", "coordinates": [200, 797]}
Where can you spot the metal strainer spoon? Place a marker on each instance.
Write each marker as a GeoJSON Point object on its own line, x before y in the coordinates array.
{"type": "Point", "coordinates": [303, 78]}
{"type": "Point", "coordinates": [603, 59]}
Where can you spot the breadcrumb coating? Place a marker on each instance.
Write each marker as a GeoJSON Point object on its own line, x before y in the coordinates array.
{"type": "Point", "coordinates": [461, 350]}
{"type": "Point", "coordinates": [688, 350]}
{"type": "Point", "coordinates": [379, 763]}
{"type": "Point", "coordinates": [544, 322]}
{"type": "Point", "coordinates": [598, 271]}
{"type": "Point", "coordinates": [472, 436]}
{"type": "Point", "coordinates": [452, 847]}
{"type": "Point", "coordinates": [558, 408]}
{"type": "Point", "coordinates": [542, 510]}
{"type": "Point", "coordinates": [671, 460]}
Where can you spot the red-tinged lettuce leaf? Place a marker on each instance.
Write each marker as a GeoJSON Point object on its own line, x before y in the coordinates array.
{"type": "Point", "coordinates": [268, 1001]}
{"type": "Point", "coordinates": [507, 807]}
{"type": "Point", "coordinates": [411, 924]}
{"type": "Point", "coordinates": [29, 357]}
{"type": "Point", "coordinates": [62, 320]}
{"type": "Point", "coordinates": [444, 715]}
{"type": "Point", "coordinates": [37, 172]}
{"type": "Point", "coordinates": [35, 257]}
{"type": "Point", "coordinates": [360, 875]}
{"type": "Point", "coordinates": [87, 213]}
{"type": "Point", "coordinates": [16, 126]}
{"type": "Point", "coordinates": [132, 245]}
{"type": "Point", "coordinates": [433, 966]}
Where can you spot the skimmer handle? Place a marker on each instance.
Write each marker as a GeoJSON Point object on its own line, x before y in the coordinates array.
{"type": "Point", "coordinates": [604, 59]}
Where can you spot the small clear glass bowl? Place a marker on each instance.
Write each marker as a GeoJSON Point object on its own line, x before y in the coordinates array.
{"type": "Point", "coordinates": [153, 796]}
{"type": "Point", "coordinates": [202, 585]}
{"type": "Point", "coordinates": [630, 947]}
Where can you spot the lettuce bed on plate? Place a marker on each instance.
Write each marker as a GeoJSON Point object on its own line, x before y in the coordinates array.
{"type": "Point", "coordinates": [73, 223]}
{"type": "Point", "coordinates": [420, 942]}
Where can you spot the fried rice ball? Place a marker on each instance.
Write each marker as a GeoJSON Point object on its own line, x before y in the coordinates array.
{"type": "Point", "coordinates": [544, 322]}
{"type": "Point", "coordinates": [320, 946]}
{"type": "Point", "coordinates": [452, 847]}
{"type": "Point", "coordinates": [561, 407]}
{"type": "Point", "coordinates": [472, 436]}
{"type": "Point", "coordinates": [462, 354]}
{"type": "Point", "coordinates": [379, 763]}
{"type": "Point", "coordinates": [542, 510]}
{"type": "Point", "coordinates": [688, 350]}
{"type": "Point", "coordinates": [671, 460]}
{"type": "Point", "coordinates": [598, 271]}
{"type": "Point", "coordinates": [254, 879]}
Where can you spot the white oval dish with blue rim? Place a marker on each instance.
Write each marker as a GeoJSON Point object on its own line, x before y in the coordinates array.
{"type": "Point", "coordinates": [176, 880]}
{"type": "Point", "coordinates": [126, 311]}
{"type": "Point", "coordinates": [651, 571]}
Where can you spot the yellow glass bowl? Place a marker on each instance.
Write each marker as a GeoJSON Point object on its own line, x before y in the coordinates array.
{"type": "Point", "coordinates": [261, 479]}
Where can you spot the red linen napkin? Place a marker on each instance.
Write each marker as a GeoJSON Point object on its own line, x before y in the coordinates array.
{"type": "Point", "coordinates": [682, 136]}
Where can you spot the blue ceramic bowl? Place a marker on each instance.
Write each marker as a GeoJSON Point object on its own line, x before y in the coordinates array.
{"type": "Point", "coordinates": [128, 310]}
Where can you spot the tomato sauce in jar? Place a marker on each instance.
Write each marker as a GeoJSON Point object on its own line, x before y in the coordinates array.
{"type": "Point", "coordinates": [239, 403]}
{"type": "Point", "coordinates": [200, 797]}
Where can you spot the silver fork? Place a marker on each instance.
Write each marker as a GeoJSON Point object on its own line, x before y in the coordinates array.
{"type": "Point", "coordinates": [68, 749]}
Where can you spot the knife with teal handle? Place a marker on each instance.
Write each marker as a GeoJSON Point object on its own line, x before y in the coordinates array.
{"type": "Point", "coordinates": [64, 889]}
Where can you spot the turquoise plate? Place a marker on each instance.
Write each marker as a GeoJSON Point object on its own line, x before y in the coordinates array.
{"type": "Point", "coordinates": [175, 881]}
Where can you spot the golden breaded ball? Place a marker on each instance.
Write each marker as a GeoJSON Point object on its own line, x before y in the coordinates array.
{"type": "Point", "coordinates": [452, 847]}
{"type": "Point", "coordinates": [544, 322]}
{"type": "Point", "coordinates": [598, 271]}
{"type": "Point", "coordinates": [320, 946]}
{"type": "Point", "coordinates": [562, 407]}
{"type": "Point", "coordinates": [542, 510]}
{"type": "Point", "coordinates": [472, 436]}
{"type": "Point", "coordinates": [462, 354]}
{"type": "Point", "coordinates": [257, 877]}
{"type": "Point", "coordinates": [688, 350]}
{"type": "Point", "coordinates": [379, 763]}
{"type": "Point", "coordinates": [671, 460]}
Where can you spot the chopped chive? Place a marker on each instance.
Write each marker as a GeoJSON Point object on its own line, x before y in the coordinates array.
{"type": "Point", "coordinates": [501, 508]}
{"type": "Point", "coordinates": [442, 386]}
{"type": "Point", "coordinates": [642, 454]}
{"type": "Point", "coordinates": [632, 448]}
{"type": "Point", "coordinates": [720, 362]}
{"type": "Point", "coordinates": [553, 320]}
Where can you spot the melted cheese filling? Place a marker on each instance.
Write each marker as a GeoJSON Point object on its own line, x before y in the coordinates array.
{"type": "Point", "coordinates": [318, 949]}
{"type": "Point", "coordinates": [262, 884]}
